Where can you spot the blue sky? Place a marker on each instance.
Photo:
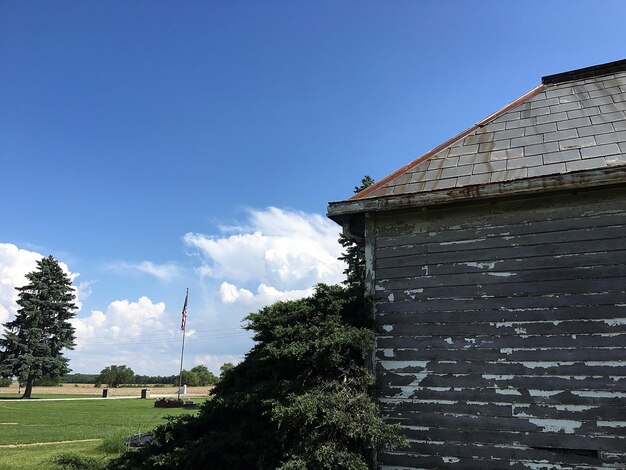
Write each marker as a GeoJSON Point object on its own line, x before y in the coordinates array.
{"type": "Point", "coordinates": [153, 146]}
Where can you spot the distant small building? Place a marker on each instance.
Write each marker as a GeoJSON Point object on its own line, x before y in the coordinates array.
{"type": "Point", "coordinates": [498, 266]}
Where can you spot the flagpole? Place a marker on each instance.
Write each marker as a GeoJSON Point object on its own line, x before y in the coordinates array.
{"type": "Point", "coordinates": [182, 350]}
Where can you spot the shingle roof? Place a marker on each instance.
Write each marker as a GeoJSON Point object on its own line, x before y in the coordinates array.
{"type": "Point", "coordinates": [572, 122]}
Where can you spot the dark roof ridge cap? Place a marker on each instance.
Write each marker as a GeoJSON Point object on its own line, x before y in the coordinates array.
{"type": "Point", "coordinates": [449, 142]}
{"type": "Point", "coordinates": [586, 72]}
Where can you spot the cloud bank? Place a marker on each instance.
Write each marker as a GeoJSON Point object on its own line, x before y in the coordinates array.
{"type": "Point", "coordinates": [271, 254]}
{"type": "Point", "coordinates": [122, 319]}
{"type": "Point", "coordinates": [135, 333]}
{"type": "Point", "coordinates": [277, 254]}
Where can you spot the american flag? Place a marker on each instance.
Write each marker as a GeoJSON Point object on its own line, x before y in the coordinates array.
{"type": "Point", "coordinates": [184, 321]}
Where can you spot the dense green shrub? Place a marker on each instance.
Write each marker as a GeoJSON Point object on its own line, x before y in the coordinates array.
{"type": "Point", "coordinates": [5, 382]}
{"type": "Point", "coordinates": [72, 461]}
{"type": "Point", "coordinates": [168, 403]}
{"type": "Point", "coordinates": [302, 397]}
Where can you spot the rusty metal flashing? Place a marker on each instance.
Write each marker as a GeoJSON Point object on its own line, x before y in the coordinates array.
{"type": "Point", "coordinates": [363, 194]}
{"type": "Point", "coordinates": [587, 72]}
{"type": "Point", "coordinates": [343, 211]}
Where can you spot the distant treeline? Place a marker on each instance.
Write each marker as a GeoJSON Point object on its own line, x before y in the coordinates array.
{"type": "Point", "coordinates": [199, 376]}
{"type": "Point", "coordinates": [79, 378]}
{"type": "Point", "coordinates": [137, 379]}
{"type": "Point", "coordinates": [156, 379]}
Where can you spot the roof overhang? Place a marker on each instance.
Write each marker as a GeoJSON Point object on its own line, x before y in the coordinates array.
{"type": "Point", "coordinates": [344, 212]}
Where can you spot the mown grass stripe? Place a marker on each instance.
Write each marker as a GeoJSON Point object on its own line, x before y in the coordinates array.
{"type": "Point", "coordinates": [34, 444]}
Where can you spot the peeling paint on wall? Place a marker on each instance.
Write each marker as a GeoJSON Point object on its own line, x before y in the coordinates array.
{"type": "Point", "coordinates": [411, 292]}
{"type": "Point", "coordinates": [546, 364]}
{"type": "Point", "coordinates": [507, 391]}
{"type": "Point", "coordinates": [497, 377]}
{"type": "Point", "coordinates": [482, 265]}
{"type": "Point", "coordinates": [419, 378]}
{"type": "Point", "coordinates": [498, 367]}
{"type": "Point", "coordinates": [462, 242]}
{"type": "Point", "coordinates": [544, 393]}
{"type": "Point", "coordinates": [612, 424]}
{"type": "Point", "coordinates": [566, 426]}
{"type": "Point", "coordinates": [397, 365]}
{"type": "Point", "coordinates": [598, 394]}
{"type": "Point", "coordinates": [502, 274]}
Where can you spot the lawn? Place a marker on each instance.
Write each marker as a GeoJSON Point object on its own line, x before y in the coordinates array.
{"type": "Point", "coordinates": [38, 396]}
{"type": "Point", "coordinates": [39, 457]}
{"type": "Point", "coordinates": [25, 422]}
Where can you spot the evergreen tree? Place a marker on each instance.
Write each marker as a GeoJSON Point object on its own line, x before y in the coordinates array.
{"type": "Point", "coordinates": [302, 398]}
{"type": "Point", "coordinates": [366, 182]}
{"type": "Point", "coordinates": [33, 342]}
{"type": "Point", "coordinates": [354, 255]}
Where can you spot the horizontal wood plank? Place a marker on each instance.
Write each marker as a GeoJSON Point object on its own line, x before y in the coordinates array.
{"type": "Point", "coordinates": [501, 331]}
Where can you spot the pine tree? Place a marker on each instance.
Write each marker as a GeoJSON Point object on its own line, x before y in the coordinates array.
{"type": "Point", "coordinates": [33, 342]}
{"type": "Point", "coordinates": [354, 255]}
{"type": "Point", "coordinates": [302, 398]}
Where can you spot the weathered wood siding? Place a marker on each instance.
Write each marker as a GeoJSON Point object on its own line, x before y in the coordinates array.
{"type": "Point", "coordinates": [501, 332]}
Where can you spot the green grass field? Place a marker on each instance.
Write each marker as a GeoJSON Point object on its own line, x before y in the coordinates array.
{"type": "Point", "coordinates": [39, 396]}
{"type": "Point", "coordinates": [28, 422]}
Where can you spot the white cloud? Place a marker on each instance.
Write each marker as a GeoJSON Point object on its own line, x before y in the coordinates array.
{"type": "Point", "coordinates": [279, 253]}
{"type": "Point", "coordinates": [122, 320]}
{"type": "Point", "coordinates": [163, 272]}
{"type": "Point", "coordinates": [143, 335]}
{"type": "Point", "coordinates": [138, 334]}
{"type": "Point", "coordinates": [273, 254]}
{"type": "Point", "coordinates": [15, 263]}
{"type": "Point", "coordinates": [231, 294]}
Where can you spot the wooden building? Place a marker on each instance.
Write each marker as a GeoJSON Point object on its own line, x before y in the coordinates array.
{"type": "Point", "coordinates": [498, 266]}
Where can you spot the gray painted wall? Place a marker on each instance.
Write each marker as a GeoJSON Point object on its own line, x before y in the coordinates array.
{"type": "Point", "coordinates": [501, 332]}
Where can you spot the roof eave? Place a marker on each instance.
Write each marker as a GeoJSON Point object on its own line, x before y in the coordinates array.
{"type": "Point", "coordinates": [342, 210]}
